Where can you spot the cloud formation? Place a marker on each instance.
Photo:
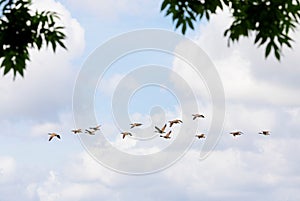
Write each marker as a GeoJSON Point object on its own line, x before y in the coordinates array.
{"type": "Point", "coordinates": [49, 77]}
{"type": "Point", "coordinates": [260, 94]}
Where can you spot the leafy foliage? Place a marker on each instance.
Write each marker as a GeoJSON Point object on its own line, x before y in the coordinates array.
{"type": "Point", "coordinates": [21, 29]}
{"type": "Point", "coordinates": [270, 20]}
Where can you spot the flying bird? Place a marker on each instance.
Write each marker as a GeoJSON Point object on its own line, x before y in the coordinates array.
{"type": "Point", "coordinates": [264, 132]}
{"type": "Point", "coordinates": [200, 136]}
{"type": "Point", "coordinates": [167, 136]}
{"type": "Point", "coordinates": [96, 128]}
{"type": "Point", "coordinates": [90, 132]}
{"type": "Point", "coordinates": [52, 135]}
{"type": "Point", "coordinates": [162, 130]}
{"type": "Point", "coordinates": [126, 133]}
{"type": "Point", "coordinates": [135, 125]}
{"type": "Point", "coordinates": [176, 121]}
{"type": "Point", "coordinates": [195, 116]}
{"type": "Point", "coordinates": [235, 133]}
{"type": "Point", "coordinates": [75, 131]}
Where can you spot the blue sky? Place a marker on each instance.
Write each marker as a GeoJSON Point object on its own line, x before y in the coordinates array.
{"type": "Point", "coordinates": [259, 93]}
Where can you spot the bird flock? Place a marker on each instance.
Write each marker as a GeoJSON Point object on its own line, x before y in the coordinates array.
{"type": "Point", "coordinates": [90, 131]}
{"type": "Point", "coordinates": [162, 131]}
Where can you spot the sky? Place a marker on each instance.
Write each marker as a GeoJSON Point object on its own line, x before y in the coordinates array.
{"type": "Point", "coordinates": [259, 94]}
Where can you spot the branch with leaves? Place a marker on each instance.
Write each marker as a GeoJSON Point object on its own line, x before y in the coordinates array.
{"type": "Point", "coordinates": [272, 21]}
{"type": "Point", "coordinates": [22, 29]}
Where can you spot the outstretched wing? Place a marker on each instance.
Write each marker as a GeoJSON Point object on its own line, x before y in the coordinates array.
{"type": "Point", "coordinates": [168, 134]}
{"type": "Point", "coordinates": [163, 128]}
{"type": "Point", "coordinates": [157, 129]}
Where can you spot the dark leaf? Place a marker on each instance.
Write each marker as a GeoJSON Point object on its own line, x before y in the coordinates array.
{"type": "Point", "coordinates": [190, 23]}
{"type": "Point", "coordinates": [268, 49]}
{"type": "Point", "coordinates": [183, 28]}
{"type": "Point", "coordinates": [277, 54]}
{"type": "Point", "coordinates": [164, 5]}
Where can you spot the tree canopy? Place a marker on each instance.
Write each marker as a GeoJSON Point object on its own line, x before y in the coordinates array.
{"type": "Point", "coordinates": [22, 29]}
{"type": "Point", "coordinates": [272, 21]}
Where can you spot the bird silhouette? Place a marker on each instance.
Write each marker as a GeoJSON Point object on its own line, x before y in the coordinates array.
{"type": "Point", "coordinates": [96, 128]}
{"type": "Point", "coordinates": [235, 133]}
{"type": "Point", "coordinates": [125, 134]}
{"type": "Point", "coordinates": [195, 116]}
{"type": "Point", "coordinates": [264, 132]}
{"type": "Point", "coordinates": [162, 130]}
{"type": "Point", "coordinates": [90, 132]}
{"type": "Point", "coordinates": [52, 135]}
{"type": "Point", "coordinates": [75, 131]}
{"type": "Point", "coordinates": [135, 125]}
{"type": "Point", "coordinates": [200, 136]}
{"type": "Point", "coordinates": [167, 136]}
{"type": "Point", "coordinates": [176, 121]}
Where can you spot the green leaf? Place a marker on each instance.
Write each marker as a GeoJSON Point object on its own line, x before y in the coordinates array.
{"type": "Point", "coordinates": [264, 39]}
{"type": "Point", "coordinates": [164, 5]}
{"type": "Point", "coordinates": [178, 23]}
{"type": "Point", "coordinates": [207, 15]}
{"type": "Point", "coordinates": [183, 30]}
{"type": "Point", "coordinates": [22, 29]}
{"type": "Point", "coordinates": [53, 45]}
{"type": "Point", "coordinates": [190, 23]}
{"type": "Point", "coordinates": [257, 38]}
{"type": "Point", "coordinates": [61, 44]}
{"type": "Point", "coordinates": [277, 54]}
{"type": "Point", "coordinates": [7, 68]}
{"type": "Point", "coordinates": [268, 49]}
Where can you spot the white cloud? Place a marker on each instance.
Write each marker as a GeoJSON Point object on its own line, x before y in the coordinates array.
{"type": "Point", "coordinates": [41, 129]}
{"type": "Point", "coordinates": [246, 75]}
{"type": "Point", "coordinates": [250, 167]}
{"type": "Point", "coordinates": [56, 188]}
{"type": "Point", "coordinates": [74, 31]}
{"type": "Point", "coordinates": [48, 83]}
{"type": "Point", "coordinates": [83, 168]}
{"type": "Point", "coordinates": [64, 124]}
{"type": "Point", "coordinates": [190, 76]}
{"type": "Point", "coordinates": [230, 174]}
{"type": "Point", "coordinates": [107, 86]}
{"type": "Point", "coordinates": [233, 174]}
{"type": "Point", "coordinates": [7, 169]}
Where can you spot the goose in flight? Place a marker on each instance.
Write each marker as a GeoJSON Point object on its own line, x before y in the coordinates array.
{"type": "Point", "coordinates": [126, 133]}
{"type": "Point", "coordinates": [96, 128]}
{"type": "Point", "coordinates": [264, 132]}
{"type": "Point", "coordinates": [162, 130]}
{"type": "Point", "coordinates": [235, 133]}
{"type": "Point", "coordinates": [176, 121]}
{"type": "Point", "coordinates": [75, 131]}
{"type": "Point", "coordinates": [90, 132]}
{"type": "Point", "coordinates": [167, 136]}
{"type": "Point", "coordinates": [52, 135]}
{"type": "Point", "coordinates": [200, 136]}
{"type": "Point", "coordinates": [195, 116]}
{"type": "Point", "coordinates": [135, 125]}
